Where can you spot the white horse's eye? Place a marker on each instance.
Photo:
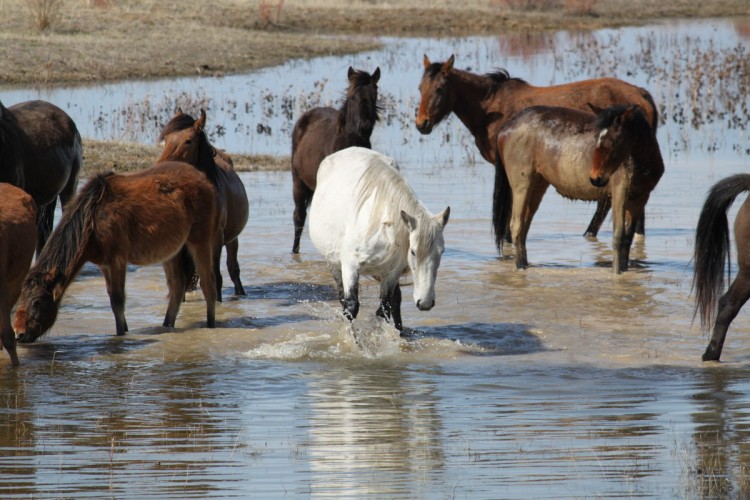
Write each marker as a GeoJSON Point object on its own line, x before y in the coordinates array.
{"type": "Point", "coordinates": [412, 252]}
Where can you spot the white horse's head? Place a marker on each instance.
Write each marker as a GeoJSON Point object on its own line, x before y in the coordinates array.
{"type": "Point", "coordinates": [426, 246]}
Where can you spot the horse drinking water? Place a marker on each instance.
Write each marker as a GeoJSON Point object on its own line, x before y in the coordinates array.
{"type": "Point", "coordinates": [366, 219]}
{"type": "Point", "coordinates": [17, 243]}
{"type": "Point", "coordinates": [585, 157]}
{"type": "Point", "coordinates": [712, 255]}
{"type": "Point", "coordinates": [140, 218]}
{"type": "Point", "coordinates": [185, 139]}
{"type": "Point", "coordinates": [321, 131]}
{"type": "Point", "coordinates": [40, 152]}
{"type": "Point", "coordinates": [484, 103]}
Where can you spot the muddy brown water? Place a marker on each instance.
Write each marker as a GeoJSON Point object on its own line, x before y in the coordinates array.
{"type": "Point", "coordinates": [561, 381]}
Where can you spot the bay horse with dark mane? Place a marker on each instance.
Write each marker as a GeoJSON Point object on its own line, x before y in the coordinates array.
{"type": "Point", "coordinates": [40, 152]}
{"type": "Point", "coordinates": [484, 103]}
{"type": "Point", "coordinates": [17, 243]}
{"type": "Point", "coordinates": [712, 257]}
{"type": "Point", "coordinates": [155, 215]}
{"type": "Point", "coordinates": [185, 139]}
{"type": "Point", "coordinates": [324, 130]}
{"type": "Point", "coordinates": [584, 156]}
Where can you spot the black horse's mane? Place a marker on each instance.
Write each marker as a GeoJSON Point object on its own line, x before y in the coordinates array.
{"type": "Point", "coordinates": [357, 116]}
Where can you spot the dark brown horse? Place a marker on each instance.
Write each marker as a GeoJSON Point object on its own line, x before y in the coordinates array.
{"type": "Point", "coordinates": [17, 243]}
{"type": "Point", "coordinates": [484, 103]}
{"type": "Point", "coordinates": [140, 218]}
{"type": "Point", "coordinates": [613, 155]}
{"type": "Point", "coordinates": [184, 139]}
{"type": "Point", "coordinates": [322, 131]}
{"type": "Point", "coordinates": [712, 256]}
{"type": "Point", "coordinates": [41, 152]}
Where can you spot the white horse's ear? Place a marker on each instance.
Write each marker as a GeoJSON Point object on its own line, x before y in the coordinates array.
{"type": "Point", "coordinates": [410, 221]}
{"type": "Point", "coordinates": [442, 217]}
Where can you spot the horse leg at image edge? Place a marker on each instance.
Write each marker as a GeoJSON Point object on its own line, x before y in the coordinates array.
{"type": "Point", "coordinates": [302, 196]}
{"type": "Point", "coordinates": [114, 277]}
{"type": "Point", "coordinates": [729, 306]}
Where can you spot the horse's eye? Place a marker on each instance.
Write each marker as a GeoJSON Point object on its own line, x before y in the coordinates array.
{"type": "Point", "coordinates": [412, 252]}
{"type": "Point", "coordinates": [189, 142]}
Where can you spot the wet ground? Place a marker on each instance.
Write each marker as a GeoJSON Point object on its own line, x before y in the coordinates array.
{"type": "Point", "coordinates": [561, 381]}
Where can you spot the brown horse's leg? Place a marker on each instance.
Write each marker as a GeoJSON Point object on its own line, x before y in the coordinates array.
{"type": "Point", "coordinates": [217, 272]}
{"type": "Point", "coordinates": [233, 266]}
{"type": "Point", "coordinates": [302, 196]}
{"type": "Point", "coordinates": [44, 219]}
{"type": "Point", "coordinates": [202, 254]}
{"type": "Point", "coordinates": [177, 282]}
{"type": "Point", "coordinates": [640, 226]}
{"type": "Point", "coordinates": [114, 277]}
{"type": "Point", "coordinates": [602, 209]}
{"type": "Point", "coordinates": [7, 335]}
{"type": "Point", "coordinates": [729, 305]}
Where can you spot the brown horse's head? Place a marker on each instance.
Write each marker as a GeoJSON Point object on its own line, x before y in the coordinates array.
{"type": "Point", "coordinates": [184, 139]}
{"type": "Point", "coordinates": [38, 304]}
{"type": "Point", "coordinates": [436, 96]}
{"type": "Point", "coordinates": [614, 140]}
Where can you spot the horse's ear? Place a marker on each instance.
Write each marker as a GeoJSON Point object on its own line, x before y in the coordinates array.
{"type": "Point", "coordinates": [350, 73]}
{"type": "Point", "coordinates": [376, 75]}
{"type": "Point", "coordinates": [448, 65]}
{"type": "Point", "coordinates": [200, 123]}
{"type": "Point", "coordinates": [426, 61]}
{"type": "Point", "coordinates": [179, 111]}
{"type": "Point", "coordinates": [596, 109]}
{"type": "Point", "coordinates": [442, 217]}
{"type": "Point", "coordinates": [410, 221]}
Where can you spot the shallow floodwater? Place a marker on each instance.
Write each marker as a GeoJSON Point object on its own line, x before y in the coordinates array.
{"type": "Point", "coordinates": [561, 381]}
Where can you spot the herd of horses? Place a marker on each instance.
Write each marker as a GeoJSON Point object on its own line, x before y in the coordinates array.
{"type": "Point", "coordinates": [591, 140]}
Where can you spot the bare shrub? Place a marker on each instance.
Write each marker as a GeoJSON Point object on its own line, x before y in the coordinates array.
{"type": "Point", "coordinates": [44, 12]}
{"type": "Point", "coordinates": [270, 12]}
{"type": "Point", "coordinates": [582, 7]}
{"type": "Point", "coordinates": [527, 5]}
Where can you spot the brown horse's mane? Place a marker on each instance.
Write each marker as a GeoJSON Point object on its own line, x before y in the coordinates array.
{"type": "Point", "coordinates": [206, 153]}
{"type": "Point", "coordinates": [10, 148]}
{"type": "Point", "coordinates": [68, 241]}
{"type": "Point", "coordinates": [357, 116]}
{"type": "Point", "coordinates": [501, 76]}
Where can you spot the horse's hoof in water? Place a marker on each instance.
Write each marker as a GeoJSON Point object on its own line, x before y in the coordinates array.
{"type": "Point", "coordinates": [590, 236]}
{"type": "Point", "coordinates": [711, 354]}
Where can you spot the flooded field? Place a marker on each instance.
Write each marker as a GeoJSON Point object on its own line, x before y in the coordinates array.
{"type": "Point", "coordinates": [561, 381]}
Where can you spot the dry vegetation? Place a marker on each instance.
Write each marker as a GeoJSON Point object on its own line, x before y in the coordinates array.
{"type": "Point", "coordinates": [72, 41]}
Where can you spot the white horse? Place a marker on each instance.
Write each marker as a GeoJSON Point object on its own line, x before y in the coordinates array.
{"type": "Point", "coordinates": [366, 219]}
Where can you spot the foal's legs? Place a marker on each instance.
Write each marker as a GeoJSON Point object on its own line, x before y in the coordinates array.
{"type": "Point", "coordinates": [233, 266]}
{"type": "Point", "coordinates": [202, 255]}
{"type": "Point", "coordinates": [602, 209]}
{"type": "Point", "coordinates": [177, 283]}
{"type": "Point", "coordinates": [525, 204]}
{"type": "Point", "coordinates": [302, 196]}
{"type": "Point", "coordinates": [114, 277]}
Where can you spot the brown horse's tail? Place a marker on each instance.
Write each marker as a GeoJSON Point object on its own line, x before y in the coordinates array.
{"type": "Point", "coordinates": [502, 203]}
{"type": "Point", "coordinates": [189, 271]}
{"type": "Point", "coordinates": [712, 249]}
{"type": "Point", "coordinates": [647, 96]}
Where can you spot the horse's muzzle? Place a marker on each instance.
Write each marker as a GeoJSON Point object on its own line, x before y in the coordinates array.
{"type": "Point", "coordinates": [425, 305]}
{"type": "Point", "coordinates": [598, 181]}
{"type": "Point", "coordinates": [424, 127]}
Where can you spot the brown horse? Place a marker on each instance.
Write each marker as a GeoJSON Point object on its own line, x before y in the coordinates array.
{"type": "Point", "coordinates": [484, 103]}
{"type": "Point", "coordinates": [711, 257]}
{"type": "Point", "coordinates": [41, 152]}
{"type": "Point", "coordinates": [17, 243]}
{"type": "Point", "coordinates": [585, 157]}
{"type": "Point", "coordinates": [184, 139]}
{"type": "Point", "coordinates": [322, 131]}
{"type": "Point", "coordinates": [139, 218]}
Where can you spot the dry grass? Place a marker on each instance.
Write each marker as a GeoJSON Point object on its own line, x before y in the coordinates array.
{"type": "Point", "coordinates": [97, 40]}
{"type": "Point", "coordinates": [103, 156]}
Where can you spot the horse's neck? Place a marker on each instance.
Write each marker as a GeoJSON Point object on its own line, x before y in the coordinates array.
{"type": "Point", "coordinates": [353, 128]}
{"type": "Point", "coordinates": [473, 107]}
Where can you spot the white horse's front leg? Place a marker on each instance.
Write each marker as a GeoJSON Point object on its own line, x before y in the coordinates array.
{"type": "Point", "coordinates": [350, 286]}
{"type": "Point", "coordinates": [390, 302]}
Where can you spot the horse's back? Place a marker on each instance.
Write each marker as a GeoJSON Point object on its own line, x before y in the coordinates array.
{"type": "Point", "coordinates": [312, 140]}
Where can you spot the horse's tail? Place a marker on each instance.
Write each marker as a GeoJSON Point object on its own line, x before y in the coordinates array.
{"type": "Point", "coordinates": [502, 202]}
{"type": "Point", "coordinates": [68, 241]}
{"type": "Point", "coordinates": [712, 249]}
{"type": "Point", "coordinates": [647, 96]}
{"type": "Point", "coordinates": [189, 270]}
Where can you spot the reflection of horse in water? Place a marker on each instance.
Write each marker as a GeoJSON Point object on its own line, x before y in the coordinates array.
{"type": "Point", "coordinates": [185, 140]}
{"type": "Point", "coordinates": [324, 130]}
{"type": "Point", "coordinates": [40, 152]}
{"type": "Point", "coordinates": [17, 243]}
{"type": "Point", "coordinates": [611, 155]}
{"type": "Point", "coordinates": [366, 219]}
{"type": "Point", "coordinates": [140, 218]}
{"type": "Point", "coordinates": [711, 257]}
{"type": "Point", "coordinates": [484, 103]}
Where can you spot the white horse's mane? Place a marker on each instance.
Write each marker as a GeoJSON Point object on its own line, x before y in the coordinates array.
{"type": "Point", "coordinates": [391, 194]}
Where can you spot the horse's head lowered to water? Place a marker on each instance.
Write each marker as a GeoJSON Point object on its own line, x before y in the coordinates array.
{"type": "Point", "coordinates": [437, 97]}
{"type": "Point", "coordinates": [618, 130]}
{"type": "Point", "coordinates": [39, 303]}
{"type": "Point", "coordinates": [426, 246]}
